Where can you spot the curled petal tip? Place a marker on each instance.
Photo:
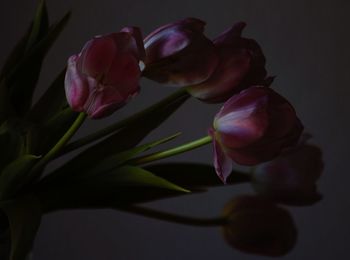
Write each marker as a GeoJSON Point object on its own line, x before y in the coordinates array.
{"type": "Point", "coordinates": [238, 27]}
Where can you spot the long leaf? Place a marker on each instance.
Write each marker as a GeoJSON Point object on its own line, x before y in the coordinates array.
{"type": "Point", "coordinates": [36, 31]}
{"type": "Point", "coordinates": [6, 109]}
{"type": "Point", "coordinates": [23, 78]}
{"type": "Point", "coordinates": [123, 140]}
{"type": "Point", "coordinates": [125, 185]}
{"type": "Point", "coordinates": [14, 176]}
{"type": "Point", "coordinates": [24, 216]}
{"type": "Point", "coordinates": [40, 25]}
{"type": "Point", "coordinates": [51, 103]}
{"type": "Point", "coordinates": [12, 142]}
{"type": "Point", "coordinates": [115, 160]}
{"type": "Point", "coordinates": [195, 175]}
{"type": "Point", "coordinates": [96, 194]}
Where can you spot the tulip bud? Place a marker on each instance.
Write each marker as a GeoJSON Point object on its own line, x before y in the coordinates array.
{"type": "Point", "coordinates": [241, 65]}
{"type": "Point", "coordinates": [105, 74]}
{"type": "Point", "coordinates": [253, 127]}
{"type": "Point", "coordinates": [291, 177]}
{"type": "Point", "coordinates": [179, 53]}
{"type": "Point", "coordinates": [257, 226]}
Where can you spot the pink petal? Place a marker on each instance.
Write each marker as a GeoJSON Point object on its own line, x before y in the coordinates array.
{"type": "Point", "coordinates": [97, 56]}
{"type": "Point", "coordinates": [222, 163]}
{"type": "Point", "coordinates": [76, 86]}
{"type": "Point", "coordinates": [136, 33]}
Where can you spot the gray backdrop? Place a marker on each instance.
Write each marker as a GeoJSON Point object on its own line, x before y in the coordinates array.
{"type": "Point", "coordinates": [306, 43]}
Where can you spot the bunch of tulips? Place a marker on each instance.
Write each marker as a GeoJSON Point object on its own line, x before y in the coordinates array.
{"type": "Point", "coordinates": [256, 127]}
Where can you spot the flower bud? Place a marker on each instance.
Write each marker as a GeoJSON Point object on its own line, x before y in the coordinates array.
{"type": "Point", "coordinates": [105, 74]}
{"type": "Point", "coordinates": [179, 53]}
{"type": "Point", "coordinates": [291, 177]}
{"type": "Point", "coordinates": [253, 127]}
{"type": "Point", "coordinates": [241, 65]}
{"type": "Point", "coordinates": [257, 226]}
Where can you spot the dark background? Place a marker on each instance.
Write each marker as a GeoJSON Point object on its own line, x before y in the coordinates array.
{"type": "Point", "coordinates": [306, 43]}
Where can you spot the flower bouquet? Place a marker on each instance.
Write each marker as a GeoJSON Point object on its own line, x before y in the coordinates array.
{"type": "Point", "coordinates": [113, 168]}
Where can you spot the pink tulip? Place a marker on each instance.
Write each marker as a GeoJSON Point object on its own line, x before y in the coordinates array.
{"type": "Point", "coordinates": [179, 53]}
{"type": "Point", "coordinates": [253, 127]}
{"type": "Point", "coordinates": [105, 74]}
{"type": "Point", "coordinates": [241, 65]}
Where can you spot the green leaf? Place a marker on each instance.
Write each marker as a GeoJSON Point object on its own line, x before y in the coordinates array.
{"type": "Point", "coordinates": [12, 142]}
{"type": "Point", "coordinates": [132, 134]}
{"type": "Point", "coordinates": [52, 114]}
{"type": "Point", "coordinates": [24, 216]}
{"type": "Point", "coordinates": [40, 25]}
{"type": "Point", "coordinates": [6, 109]}
{"type": "Point", "coordinates": [116, 160]}
{"type": "Point", "coordinates": [35, 33]}
{"type": "Point", "coordinates": [123, 140]}
{"type": "Point", "coordinates": [124, 185]}
{"type": "Point", "coordinates": [48, 133]}
{"type": "Point", "coordinates": [51, 103]}
{"type": "Point", "coordinates": [23, 77]}
{"type": "Point", "coordinates": [195, 175]}
{"type": "Point", "coordinates": [102, 193]}
{"type": "Point", "coordinates": [136, 176]}
{"type": "Point", "coordinates": [13, 177]}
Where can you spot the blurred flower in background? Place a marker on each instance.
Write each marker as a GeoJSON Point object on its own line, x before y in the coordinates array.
{"type": "Point", "coordinates": [291, 178]}
{"type": "Point", "coordinates": [257, 226]}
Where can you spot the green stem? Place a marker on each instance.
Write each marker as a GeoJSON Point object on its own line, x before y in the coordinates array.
{"type": "Point", "coordinates": [156, 214]}
{"type": "Point", "coordinates": [182, 93]}
{"type": "Point", "coordinates": [173, 151]}
{"type": "Point", "coordinates": [36, 170]}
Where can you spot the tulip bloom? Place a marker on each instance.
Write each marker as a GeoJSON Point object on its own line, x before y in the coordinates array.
{"type": "Point", "coordinates": [241, 65]}
{"type": "Point", "coordinates": [291, 177]}
{"type": "Point", "coordinates": [257, 226]}
{"type": "Point", "coordinates": [179, 53]}
{"type": "Point", "coordinates": [253, 127]}
{"type": "Point", "coordinates": [105, 74]}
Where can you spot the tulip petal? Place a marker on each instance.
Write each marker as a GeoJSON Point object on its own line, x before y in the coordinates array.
{"type": "Point", "coordinates": [76, 87]}
{"type": "Point", "coordinates": [222, 163]}
{"type": "Point", "coordinates": [104, 102]}
{"type": "Point", "coordinates": [179, 54]}
{"type": "Point", "coordinates": [231, 34]}
{"type": "Point", "coordinates": [136, 33]}
{"type": "Point", "coordinates": [97, 56]}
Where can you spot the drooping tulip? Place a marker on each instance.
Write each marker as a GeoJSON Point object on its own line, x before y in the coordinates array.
{"type": "Point", "coordinates": [291, 177]}
{"type": "Point", "coordinates": [253, 127]}
{"type": "Point", "coordinates": [179, 54]}
{"type": "Point", "coordinates": [257, 226]}
{"type": "Point", "coordinates": [105, 74]}
{"type": "Point", "coordinates": [241, 65]}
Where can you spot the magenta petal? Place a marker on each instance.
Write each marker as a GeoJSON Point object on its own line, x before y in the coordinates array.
{"type": "Point", "coordinates": [231, 34]}
{"type": "Point", "coordinates": [136, 33]}
{"type": "Point", "coordinates": [125, 68]}
{"type": "Point", "coordinates": [97, 56]}
{"type": "Point", "coordinates": [222, 163]}
{"type": "Point", "coordinates": [106, 101]}
{"type": "Point", "coordinates": [76, 86]}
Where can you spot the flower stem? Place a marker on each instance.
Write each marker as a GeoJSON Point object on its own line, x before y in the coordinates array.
{"type": "Point", "coordinates": [36, 170]}
{"type": "Point", "coordinates": [182, 93]}
{"type": "Point", "coordinates": [185, 220]}
{"type": "Point", "coordinates": [173, 151]}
